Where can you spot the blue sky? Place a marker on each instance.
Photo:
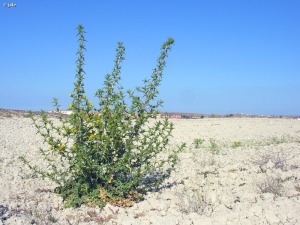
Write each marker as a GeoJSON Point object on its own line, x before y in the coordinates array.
{"type": "Point", "coordinates": [229, 56]}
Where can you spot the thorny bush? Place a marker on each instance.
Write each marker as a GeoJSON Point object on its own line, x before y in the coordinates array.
{"type": "Point", "coordinates": [110, 154]}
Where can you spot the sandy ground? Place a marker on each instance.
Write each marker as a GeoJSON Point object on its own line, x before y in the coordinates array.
{"type": "Point", "coordinates": [242, 171]}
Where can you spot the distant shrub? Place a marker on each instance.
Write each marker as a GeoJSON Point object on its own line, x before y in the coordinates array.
{"type": "Point", "coordinates": [279, 160]}
{"type": "Point", "coordinates": [236, 144]}
{"type": "Point", "coordinates": [214, 147]}
{"type": "Point", "coordinates": [110, 154]}
{"type": "Point", "coordinates": [198, 142]}
{"type": "Point", "coordinates": [271, 185]}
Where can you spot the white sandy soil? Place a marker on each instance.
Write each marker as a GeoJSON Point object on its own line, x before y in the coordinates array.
{"type": "Point", "coordinates": [246, 171]}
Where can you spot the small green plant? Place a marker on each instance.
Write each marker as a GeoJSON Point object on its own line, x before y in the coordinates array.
{"type": "Point", "coordinates": [214, 147]}
{"type": "Point", "coordinates": [113, 153]}
{"type": "Point", "coordinates": [52, 219]}
{"type": "Point", "coordinates": [236, 144]}
{"type": "Point", "coordinates": [198, 142]}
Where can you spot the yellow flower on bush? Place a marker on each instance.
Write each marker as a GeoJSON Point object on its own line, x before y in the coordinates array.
{"type": "Point", "coordinates": [74, 131]}
{"type": "Point", "coordinates": [90, 138]}
{"type": "Point", "coordinates": [90, 103]}
{"type": "Point", "coordinates": [128, 167]}
{"type": "Point", "coordinates": [83, 96]}
{"type": "Point", "coordinates": [61, 147]}
{"type": "Point", "coordinates": [71, 105]}
{"type": "Point", "coordinates": [110, 179]}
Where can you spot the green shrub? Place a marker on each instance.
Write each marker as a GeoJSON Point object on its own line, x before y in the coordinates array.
{"type": "Point", "coordinates": [236, 144]}
{"type": "Point", "coordinates": [198, 142]}
{"type": "Point", "coordinates": [214, 147]}
{"type": "Point", "coordinates": [113, 153]}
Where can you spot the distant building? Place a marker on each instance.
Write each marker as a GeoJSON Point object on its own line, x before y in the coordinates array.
{"type": "Point", "coordinates": [175, 117]}
{"type": "Point", "coordinates": [65, 112]}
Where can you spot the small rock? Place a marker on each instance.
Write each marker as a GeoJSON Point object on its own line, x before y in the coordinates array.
{"type": "Point", "coordinates": [270, 165]}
